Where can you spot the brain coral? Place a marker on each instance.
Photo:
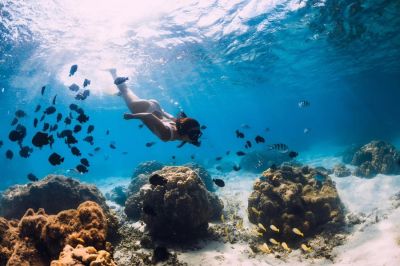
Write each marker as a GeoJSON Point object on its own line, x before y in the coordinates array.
{"type": "Point", "coordinates": [294, 197]}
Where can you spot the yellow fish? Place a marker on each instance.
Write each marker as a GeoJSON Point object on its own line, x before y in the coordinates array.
{"type": "Point", "coordinates": [239, 225]}
{"type": "Point", "coordinates": [273, 241]}
{"type": "Point", "coordinates": [256, 211]}
{"type": "Point", "coordinates": [305, 248]}
{"type": "Point", "coordinates": [274, 228]}
{"type": "Point", "coordinates": [285, 246]}
{"type": "Point", "coordinates": [262, 227]}
{"type": "Point", "coordinates": [222, 218]}
{"type": "Point", "coordinates": [226, 231]}
{"type": "Point", "coordinates": [256, 233]}
{"type": "Point", "coordinates": [297, 232]}
{"type": "Point", "coordinates": [264, 248]}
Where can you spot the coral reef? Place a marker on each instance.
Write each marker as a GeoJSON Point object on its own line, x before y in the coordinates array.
{"type": "Point", "coordinates": [117, 195]}
{"type": "Point", "coordinates": [54, 193]}
{"type": "Point", "coordinates": [146, 168]}
{"type": "Point", "coordinates": [203, 174]}
{"type": "Point", "coordinates": [181, 207]}
{"type": "Point", "coordinates": [257, 161]}
{"type": "Point", "coordinates": [340, 170]}
{"type": "Point", "coordinates": [83, 256]}
{"type": "Point", "coordinates": [291, 199]}
{"type": "Point", "coordinates": [39, 238]}
{"type": "Point", "coordinates": [376, 157]}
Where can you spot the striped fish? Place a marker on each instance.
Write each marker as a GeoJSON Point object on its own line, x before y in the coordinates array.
{"type": "Point", "coordinates": [281, 147]}
{"type": "Point", "coordinates": [304, 103]}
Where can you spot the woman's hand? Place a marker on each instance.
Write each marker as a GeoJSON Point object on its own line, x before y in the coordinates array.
{"type": "Point", "coordinates": [128, 116]}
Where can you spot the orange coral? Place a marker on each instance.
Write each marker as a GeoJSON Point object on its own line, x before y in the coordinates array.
{"type": "Point", "coordinates": [83, 256]}
{"type": "Point", "coordinates": [39, 237]}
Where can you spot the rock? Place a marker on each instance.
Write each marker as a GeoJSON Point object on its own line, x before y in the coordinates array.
{"type": "Point", "coordinates": [203, 174]}
{"type": "Point", "coordinates": [340, 170]}
{"type": "Point", "coordinates": [118, 195]}
{"type": "Point", "coordinates": [257, 161]}
{"type": "Point", "coordinates": [146, 168]}
{"type": "Point", "coordinates": [292, 197]}
{"type": "Point", "coordinates": [134, 203]}
{"type": "Point", "coordinates": [323, 170]}
{"type": "Point", "coordinates": [39, 238]}
{"type": "Point", "coordinates": [83, 256]}
{"type": "Point", "coordinates": [54, 193]}
{"type": "Point", "coordinates": [181, 208]}
{"type": "Point", "coordinates": [376, 157]}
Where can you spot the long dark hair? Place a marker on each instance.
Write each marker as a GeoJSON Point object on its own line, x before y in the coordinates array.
{"type": "Point", "coordinates": [189, 127]}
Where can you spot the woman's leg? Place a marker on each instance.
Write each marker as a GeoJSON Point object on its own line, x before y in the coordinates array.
{"type": "Point", "coordinates": [133, 102]}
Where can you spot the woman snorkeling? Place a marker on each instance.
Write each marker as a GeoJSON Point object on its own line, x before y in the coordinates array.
{"type": "Point", "coordinates": [162, 124]}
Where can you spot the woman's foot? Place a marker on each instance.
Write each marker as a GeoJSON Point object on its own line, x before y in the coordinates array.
{"type": "Point", "coordinates": [120, 80]}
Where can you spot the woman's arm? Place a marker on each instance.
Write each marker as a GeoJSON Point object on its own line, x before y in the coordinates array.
{"type": "Point", "coordinates": [168, 115]}
{"type": "Point", "coordinates": [153, 123]}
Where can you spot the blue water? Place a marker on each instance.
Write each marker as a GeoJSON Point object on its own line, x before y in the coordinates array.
{"type": "Point", "coordinates": [225, 63]}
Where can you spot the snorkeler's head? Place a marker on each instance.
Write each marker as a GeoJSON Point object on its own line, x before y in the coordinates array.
{"type": "Point", "coordinates": [189, 128]}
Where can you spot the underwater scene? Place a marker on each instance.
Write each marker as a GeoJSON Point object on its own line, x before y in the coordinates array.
{"type": "Point", "coordinates": [212, 132]}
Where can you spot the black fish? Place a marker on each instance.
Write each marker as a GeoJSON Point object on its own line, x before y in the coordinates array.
{"type": "Point", "coordinates": [203, 127]}
{"type": "Point", "coordinates": [1, 143]}
{"type": "Point", "coordinates": [90, 154]}
{"type": "Point", "coordinates": [43, 88]}
{"type": "Point", "coordinates": [236, 167]}
{"type": "Point", "coordinates": [240, 153]}
{"type": "Point", "coordinates": [67, 121]}
{"type": "Point", "coordinates": [80, 96]}
{"type": "Point", "coordinates": [218, 167]}
{"type": "Point", "coordinates": [86, 82]}
{"type": "Point", "coordinates": [72, 70]}
{"type": "Point", "coordinates": [259, 139]}
{"type": "Point", "coordinates": [41, 139]}
{"type": "Point", "coordinates": [32, 177]}
{"type": "Point", "coordinates": [54, 99]}
{"type": "Point", "coordinates": [90, 129]}
{"type": "Point", "coordinates": [70, 140]}
{"type": "Point", "coordinates": [279, 147]}
{"type": "Point", "coordinates": [218, 158]}
{"type": "Point", "coordinates": [157, 180]}
{"type": "Point", "coordinates": [82, 118]}
{"type": "Point", "coordinates": [80, 111]}
{"type": "Point", "coordinates": [248, 144]}
{"type": "Point", "coordinates": [73, 107]}
{"type": "Point", "coordinates": [37, 108]}
{"type": "Point", "coordinates": [25, 151]}
{"type": "Point", "coordinates": [293, 154]}
{"type": "Point", "coordinates": [89, 139]}
{"type": "Point", "coordinates": [65, 133]}
{"type": "Point", "coordinates": [107, 132]}
{"type": "Point", "coordinates": [239, 134]}
{"type": "Point", "coordinates": [55, 159]}
{"type": "Point", "coordinates": [304, 103]}
{"type": "Point", "coordinates": [149, 144]}
{"type": "Point", "coordinates": [82, 169]}
{"type": "Point", "coordinates": [42, 118]}
{"type": "Point", "coordinates": [18, 134]}
{"type": "Point", "coordinates": [9, 154]}
{"type": "Point", "coordinates": [14, 121]}
{"type": "Point", "coordinates": [97, 149]}
{"type": "Point", "coordinates": [50, 110]}
{"type": "Point", "coordinates": [192, 156]}
{"type": "Point", "coordinates": [74, 87]}
{"type": "Point", "coordinates": [77, 128]}
{"type": "Point", "coordinates": [227, 152]}
{"type": "Point", "coordinates": [160, 254]}
{"type": "Point", "coordinates": [35, 122]}
{"type": "Point", "coordinates": [75, 151]}
{"type": "Point", "coordinates": [267, 129]}
{"type": "Point", "coordinates": [149, 210]}
{"type": "Point", "coordinates": [85, 162]}
{"type": "Point", "coordinates": [54, 127]}
{"type": "Point", "coordinates": [20, 113]}
{"type": "Point", "coordinates": [141, 126]}
{"type": "Point", "coordinates": [59, 117]}
{"type": "Point", "coordinates": [173, 157]}
{"type": "Point", "coordinates": [125, 153]}
{"type": "Point", "coordinates": [112, 146]}
{"type": "Point", "coordinates": [245, 126]}
{"type": "Point", "coordinates": [46, 126]}
{"type": "Point", "coordinates": [219, 182]}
